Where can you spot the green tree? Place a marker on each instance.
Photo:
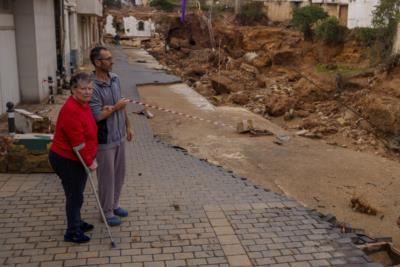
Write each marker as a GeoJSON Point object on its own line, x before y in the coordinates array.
{"type": "Point", "coordinates": [112, 3]}
{"type": "Point", "coordinates": [250, 13]}
{"type": "Point", "coordinates": [162, 4]}
{"type": "Point", "coordinates": [304, 18]}
{"type": "Point", "coordinates": [387, 12]}
{"type": "Point", "coordinates": [386, 17]}
{"type": "Point", "coordinates": [330, 31]}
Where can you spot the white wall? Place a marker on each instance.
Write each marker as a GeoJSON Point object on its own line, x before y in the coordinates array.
{"type": "Point", "coordinates": [360, 13]}
{"type": "Point", "coordinates": [9, 86]}
{"type": "Point", "coordinates": [108, 27]}
{"type": "Point", "coordinates": [131, 27]}
{"type": "Point", "coordinates": [90, 7]}
{"type": "Point", "coordinates": [36, 47]}
{"type": "Point", "coordinates": [46, 42]}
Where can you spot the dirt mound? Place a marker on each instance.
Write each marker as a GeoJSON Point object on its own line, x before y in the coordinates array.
{"type": "Point", "coordinates": [273, 72]}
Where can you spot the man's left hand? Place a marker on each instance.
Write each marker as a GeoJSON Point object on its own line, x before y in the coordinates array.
{"type": "Point", "coordinates": [129, 134]}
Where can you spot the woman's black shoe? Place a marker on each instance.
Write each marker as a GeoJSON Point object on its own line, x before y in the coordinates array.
{"type": "Point", "coordinates": [78, 237]}
{"type": "Point", "coordinates": [86, 227]}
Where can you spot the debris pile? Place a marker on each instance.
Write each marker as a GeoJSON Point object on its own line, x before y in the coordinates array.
{"type": "Point", "coordinates": [322, 92]}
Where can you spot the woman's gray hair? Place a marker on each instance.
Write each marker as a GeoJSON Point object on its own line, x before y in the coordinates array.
{"type": "Point", "coordinates": [76, 79]}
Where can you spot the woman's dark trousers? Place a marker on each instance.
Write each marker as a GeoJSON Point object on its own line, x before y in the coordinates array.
{"type": "Point", "coordinates": [73, 178]}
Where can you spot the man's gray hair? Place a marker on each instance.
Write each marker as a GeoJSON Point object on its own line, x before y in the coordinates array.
{"type": "Point", "coordinates": [76, 79]}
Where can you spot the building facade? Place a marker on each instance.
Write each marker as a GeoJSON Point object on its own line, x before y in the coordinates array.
{"type": "Point", "coordinates": [27, 50]}
{"type": "Point", "coordinates": [39, 38]}
{"type": "Point", "coordinates": [80, 27]}
{"type": "Point", "coordinates": [351, 13]}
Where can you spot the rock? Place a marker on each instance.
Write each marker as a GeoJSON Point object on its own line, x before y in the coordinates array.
{"type": "Point", "coordinates": [262, 61]}
{"type": "Point", "coordinates": [224, 85]}
{"type": "Point", "coordinates": [277, 105]}
{"type": "Point", "coordinates": [341, 121]}
{"type": "Point", "coordinates": [289, 115]}
{"type": "Point", "coordinates": [250, 56]}
{"type": "Point", "coordinates": [260, 81]}
{"type": "Point", "coordinates": [249, 68]}
{"type": "Point", "coordinates": [244, 126]}
{"type": "Point", "coordinates": [240, 98]}
{"type": "Point", "coordinates": [361, 204]}
{"type": "Point", "coordinates": [238, 53]}
{"type": "Point", "coordinates": [178, 43]}
{"type": "Point", "coordinates": [221, 84]}
{"type": "Point", "coordinates": [185, 51]}
{"type": "Point", "coordinates": [301, 113]}
{"type": "Point", "coordinates": [196, 71]}
{"type": "Point", "coordinates": [383, 112]}
{"type": "Point", "coordinates": [348, 115]}
{"type": "Point", "coordinates": [283, 57]}
{"type": "Point", "coordinates": [205, 90]}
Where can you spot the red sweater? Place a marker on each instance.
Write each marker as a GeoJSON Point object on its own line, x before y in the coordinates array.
{"type": "Point", "coordinates": [75, 125]}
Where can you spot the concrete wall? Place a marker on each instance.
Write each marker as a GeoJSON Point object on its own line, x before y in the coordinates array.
{"type": "Point", "coordinates": [396, 43]}
{"type": "Point", "coordinates": [90, 7]}
{"type": "Point", "coordinates": [351, 13]}
{"type": "Point", "coordinates": [88, 36]}
{"type": "Point", "coordinates": [281, 10]}
{"type": "Point", "coordinates": [46, 40]}
{"type": "Point", "coordinates": [36, 47]}
{"type": "Point", "coordinates": [9, 85]}
{"type": "Point", "coordinates": [360, 13]}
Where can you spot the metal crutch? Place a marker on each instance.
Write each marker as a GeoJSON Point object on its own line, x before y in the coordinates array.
{"type": "Point", "coordinates": [76, 150]}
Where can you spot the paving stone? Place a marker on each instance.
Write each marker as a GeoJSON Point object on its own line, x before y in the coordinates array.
{"type": "Point", "coordinates": [183, 212]}
{"type": "Point", "coordinates": [238, 260]}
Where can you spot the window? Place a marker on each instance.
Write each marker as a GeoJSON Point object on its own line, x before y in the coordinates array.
{"type": "Point", "coordinates": [6, 6]}
{"type": "Point", "coordinates": [140, 26]}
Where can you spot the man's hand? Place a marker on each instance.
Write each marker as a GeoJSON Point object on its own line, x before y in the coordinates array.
{"type": "Point", "coordinates": [121, 104]}
{"type": "Point", "coordinates": [129, 134]}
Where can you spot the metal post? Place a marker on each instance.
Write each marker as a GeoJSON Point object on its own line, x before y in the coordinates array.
{"type": "Point", "coordinates": [11, 118]}
{"type": "Point", "coordinates": [59, 83]}
{"type": "Point", "coordinates": [237, 7]}
{"type": "Point", "coordinates": [51, 90]}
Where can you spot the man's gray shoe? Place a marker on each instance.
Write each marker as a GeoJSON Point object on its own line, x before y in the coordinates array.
{"type": "Point", "coordinates": [121, 212]}
{"type": "Point", "coordinates": [113, 221]}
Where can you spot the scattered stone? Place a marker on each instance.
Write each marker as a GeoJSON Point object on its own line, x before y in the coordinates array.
{"type": "Point", "coordinates": [360, 204]}
{"type": "Point", "coordinates": [249, 68]}
{"type": "Point", "coordinates": [239, 98]}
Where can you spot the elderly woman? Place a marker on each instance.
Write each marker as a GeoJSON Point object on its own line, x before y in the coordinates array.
{"type": "Point", "coordinates": [75, 125]}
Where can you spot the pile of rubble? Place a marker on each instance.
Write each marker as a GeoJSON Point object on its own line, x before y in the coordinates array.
{"type": "Point", "coordinates": [271, 71]}
{"type": "Point", "coordinates": [318, 91]}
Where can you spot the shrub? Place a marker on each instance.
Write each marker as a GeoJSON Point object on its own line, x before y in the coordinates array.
{"type": "Point", "coordinates": [251, 12]}
{"type": "Point", "coordinates": [304, 18]}
{"type": "Point", "coordinates": [112, 3]}
{"type": "Point", "coordinates": [162, 4]}
{"type": "Point", "coordinates": [366, 35]}
{"type": "Point", "coordinates": [330, 31]}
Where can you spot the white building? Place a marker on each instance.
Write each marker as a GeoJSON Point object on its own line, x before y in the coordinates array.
{"type": "Point", "coordinates": [138, 28]}
{"type": "Point", "coordinates": [360, 13]}
{"type": "Point", "coordinates": [109, 27]}
{"type": "Point", "coordinates": [351, 13]}
{"type": "Point", "coordinates": [27, 50]}
{"type": "Point", "coordinates": [37, 37]}
{"type": "Point", "coordinates": [80, 30]}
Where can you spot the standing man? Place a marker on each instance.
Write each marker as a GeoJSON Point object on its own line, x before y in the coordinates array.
{"type": "Point", "coordinates": [108, 108]}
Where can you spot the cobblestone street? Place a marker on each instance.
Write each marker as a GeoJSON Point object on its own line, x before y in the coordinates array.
{"type": "Point", "coordinates": [183, 212]}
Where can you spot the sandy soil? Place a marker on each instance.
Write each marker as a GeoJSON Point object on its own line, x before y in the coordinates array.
{"type": "Point", "coordinates": [318, 175]}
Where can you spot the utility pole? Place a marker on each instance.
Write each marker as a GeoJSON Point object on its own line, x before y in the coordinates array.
{"type": "Point", "coordinates": [237, 7]}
